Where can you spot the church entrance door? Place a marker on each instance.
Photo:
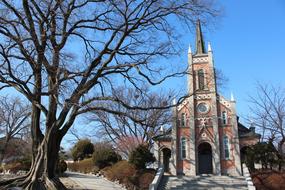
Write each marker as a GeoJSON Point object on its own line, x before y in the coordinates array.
{"type": "Point", "coordinates": [166, 156]}
{"type": "Point", "coordinates": [205, 159]}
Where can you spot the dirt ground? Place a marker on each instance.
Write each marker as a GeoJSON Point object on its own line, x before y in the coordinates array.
{"type": "Point", "coordinates": [71, 185]}
{"type": "Point", "coordinates": [269, 180]}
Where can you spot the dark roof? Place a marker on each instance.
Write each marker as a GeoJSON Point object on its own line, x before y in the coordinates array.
{"type": "Point", "coordinates": [244, 132]}
{"type": "Point", "coordinates": [166, 136]}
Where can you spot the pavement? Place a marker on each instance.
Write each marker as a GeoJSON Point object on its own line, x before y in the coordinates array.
{"type": "Point", "coordinates": [92, 182]}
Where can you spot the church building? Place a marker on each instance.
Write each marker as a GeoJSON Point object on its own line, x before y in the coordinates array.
{"type": "Point", "coordinates": [206, 136]}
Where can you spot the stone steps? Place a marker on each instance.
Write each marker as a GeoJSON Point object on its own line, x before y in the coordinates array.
{"type": "Point", "coordinates": [203, 183]}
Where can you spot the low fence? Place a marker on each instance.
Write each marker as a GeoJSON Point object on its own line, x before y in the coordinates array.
{"type": "Point", "coordinates": [248, 179]}
{"type": "Point", "coordinates": [157, 178]}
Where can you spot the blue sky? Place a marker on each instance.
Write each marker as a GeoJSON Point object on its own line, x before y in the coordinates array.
{"type": "Point", "coordinates": [249, 47]}
{"type": "Point", "coordinates": [248, 42]}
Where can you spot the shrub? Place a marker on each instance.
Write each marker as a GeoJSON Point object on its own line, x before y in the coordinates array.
{"type": "Point", "coordinates": [122, 171]}
{"type": "Point", "coordinates": [62, 154]}
{"type": "Point", "coordinates": [26, 163]}
{"type": "Point", "coordinates": [263, 153]}
{"type": "Point", "coordinates": [61, 167]}
{"type": "Point", "coordinates": [22, 164]}
{"type": "Point", "coordinates": [141, 156]}
{"type": "Point", "coordinates": [266, 154]}
{"type": "Point", "coordinates": [82, 149]}
{"type": "Point", "coordinates": [104, 156]}
{"type": "Point", "coordinates": [13, 167]}
{"type": "Point", "coordinates": [145, 179]}
{"type": "Point", "coordinates": [268, 179]}
{"type": "Point", "coordinates": [250, 158]}
{"type": "Point", "coordinates": [127, 174]}
{"type": "Point", "coordinates": [83, 166]}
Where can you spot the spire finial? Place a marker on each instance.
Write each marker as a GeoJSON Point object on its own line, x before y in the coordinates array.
{"type": "Point", "coordinates": [174, 101]}
{"type": "Point", "coordinates": [209, 47]}
{"type": "Point", "coordinates": [189, 49]}
{"type": "Point", "coordinates": [232, 97]}
{"type": "Point", "coordinates": [161, 129]}
{"type": "Point", "coordinates": [199, 39]}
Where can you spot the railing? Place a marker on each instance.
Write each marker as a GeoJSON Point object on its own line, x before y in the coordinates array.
{"type": "Point", "coordinates": [248, 179]}
{"type": "Point", "coordinates": [157, 178]}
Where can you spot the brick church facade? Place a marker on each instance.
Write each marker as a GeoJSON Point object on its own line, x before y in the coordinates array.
{"type": "Point", "coordinates": [206, 136]}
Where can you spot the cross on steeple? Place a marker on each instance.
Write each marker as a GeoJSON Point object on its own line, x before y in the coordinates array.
{"type": "Point", "coordinates": [200, 49]}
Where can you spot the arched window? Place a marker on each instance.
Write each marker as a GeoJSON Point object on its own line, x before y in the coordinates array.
{"type": "Point", "coordinates": [226, 147]}
{"type": "Point", "coordinates": [224, 117]}
{"type": "Point", "coordinates": [183, 120]}
{"type": "Point", "coordinates": [201, 79]}
{"type": "Point", "coordinates": [183, 148]}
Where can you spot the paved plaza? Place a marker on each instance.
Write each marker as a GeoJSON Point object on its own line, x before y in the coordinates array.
{"type": "Point", "coordinates": [92, 182]}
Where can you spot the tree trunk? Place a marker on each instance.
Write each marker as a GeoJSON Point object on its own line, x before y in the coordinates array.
{"type": "Point", "coordinates": [42, 172]}
{"type": "Point", "coordinates": [2, 152]}
{"type": "Point", "coordinates": [36, 133]}
{"type": "Point", "coordinates": [1, 156]}
{"type": "Point", "coordinates": [281, 154]}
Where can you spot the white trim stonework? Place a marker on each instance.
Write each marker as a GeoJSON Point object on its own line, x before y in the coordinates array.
{"type": "Point", "coordinates": [157, 178]}
{"type": "Point", "coordinates": [248, 179]}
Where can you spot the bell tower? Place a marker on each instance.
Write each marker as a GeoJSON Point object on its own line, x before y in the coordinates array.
{"type": "Point", "coordinates": [205, 135]}
{"type": "Point", "coordinates": [204, 131]}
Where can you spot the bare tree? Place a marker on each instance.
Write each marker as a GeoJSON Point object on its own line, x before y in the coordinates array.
{"type": "Point", "coordinates": [14, 122]}
{"type": "Point", "coordinates": [77, 136]}
{"type": "Point", "coordinates": [221, 80]}
{"type": "Point", "coordinates": [64, 55]}
{"type": "Point", "coordinates": [268, 113]}
{"type": "Point", "coordinates": [133, 127]}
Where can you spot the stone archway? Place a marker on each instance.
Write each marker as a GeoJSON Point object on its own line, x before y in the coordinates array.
{"type": "Point", "coordinates": [205, 165]}
{"type": "Point", "coordinates": [166, 154]}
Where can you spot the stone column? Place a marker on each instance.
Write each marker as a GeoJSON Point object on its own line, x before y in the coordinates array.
{"type": "Point", "coordinates": [216, 144]}
{"type": "Point", "coordinates": [192, 141]}
{"type": "Point", "coordinates": [173, 158]}
{"type": "Point", "coordinates": [156, 153]}
{"type": "Point", "coordinates": [235, 140]}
